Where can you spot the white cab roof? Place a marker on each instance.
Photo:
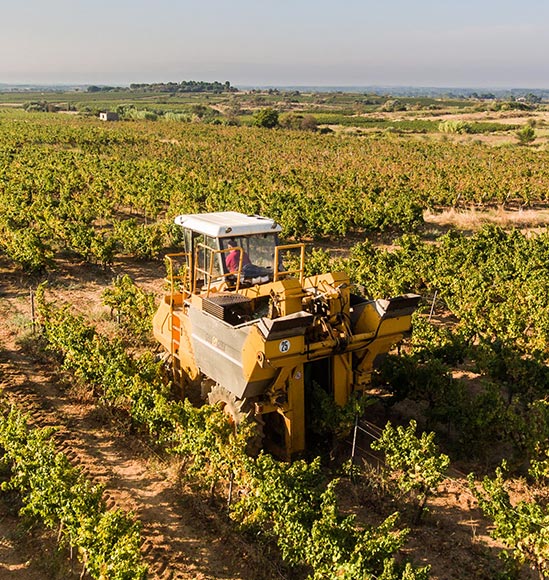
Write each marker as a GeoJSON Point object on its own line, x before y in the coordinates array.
{"type": "Point", "coordinates": [226, 224]}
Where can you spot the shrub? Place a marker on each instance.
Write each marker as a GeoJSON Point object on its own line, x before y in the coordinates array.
{"type": "Point", "coordinates": [267, 118]}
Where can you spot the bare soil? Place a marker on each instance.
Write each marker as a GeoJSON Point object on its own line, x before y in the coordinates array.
{"type": "Point", "coordinates": [184, 536]}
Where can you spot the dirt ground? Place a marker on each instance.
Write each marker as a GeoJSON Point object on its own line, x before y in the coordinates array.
{"type": "Point", "coordinates": [184, 537]}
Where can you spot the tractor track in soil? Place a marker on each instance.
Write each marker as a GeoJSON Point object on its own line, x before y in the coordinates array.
{"type": "Point", "coordinates": [183, 537]}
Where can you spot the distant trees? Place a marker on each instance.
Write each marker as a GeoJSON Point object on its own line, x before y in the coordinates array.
{"type": "Point", "coordinates": [204, 112]}
{"type": "Point", "coordinates": [102, 89]}
{"type": "Point", "coordinates": [267, 118]}
{"type": "Point", "coordinates": [41, 107]}
{"type": "Point", "coordinates": [532, 98]}
{"type": "Point", "coordinates": [483, 96]}
{"type": "Point", "coordinates": [185, 87]}
{"type": "Point", "coordinates": [392, 105]}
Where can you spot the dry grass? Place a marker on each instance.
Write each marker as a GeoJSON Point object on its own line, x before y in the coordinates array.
{"type": "Point", "coordinates": [473, 219]}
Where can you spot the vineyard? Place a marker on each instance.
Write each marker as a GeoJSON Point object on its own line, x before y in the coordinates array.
{"type": "Point", "coordinates": [462, 410]}
{"type": "Point", "coordinates": [97, 191]}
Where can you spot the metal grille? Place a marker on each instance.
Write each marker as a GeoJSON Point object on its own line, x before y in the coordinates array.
{"type": "Point", "coordinates": [227, 307]}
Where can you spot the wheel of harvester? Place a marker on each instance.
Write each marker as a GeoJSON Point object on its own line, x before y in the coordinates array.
{"type": "Point", "coordinates": [237, 410]}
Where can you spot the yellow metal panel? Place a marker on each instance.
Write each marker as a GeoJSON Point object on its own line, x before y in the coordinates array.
{"type": "Point", "coordinates": [186, 354]}
{"type": "Point", "coordinates": [368, 321]}
{"type": "Point", "coordinates": [284, 347]}
{"type": "Point", "coordinates": [396, 325]}
{"type": "Point", "coordinates": [161, 325]}
{"type": "Point", "coordinates": [295, 416]}
{"type": "Point", "coordinates": [254, 362]}
{"type": "Point", "coordinates": [287, 296]}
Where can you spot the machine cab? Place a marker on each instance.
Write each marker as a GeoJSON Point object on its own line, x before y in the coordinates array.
{"type": "Point", "coordinates": [229, 247]}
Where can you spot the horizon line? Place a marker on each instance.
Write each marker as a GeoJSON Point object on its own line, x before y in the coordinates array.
{"type": "Point", "coordinates": [284, 85]}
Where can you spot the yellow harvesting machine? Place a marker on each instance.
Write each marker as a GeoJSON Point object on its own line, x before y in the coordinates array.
{"type": "Point", "coordinates": [253, 337]}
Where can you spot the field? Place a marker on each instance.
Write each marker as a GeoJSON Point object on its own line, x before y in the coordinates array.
{"type": "Point", "coordinates": [443, 197]}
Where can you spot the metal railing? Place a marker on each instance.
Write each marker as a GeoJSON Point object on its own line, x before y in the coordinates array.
{"type": "Point", "coordinates": [278, 274]}
{"type": "Point", "coordinates": [180, 282]}
{"type": "Point", "coordinates": [212, 273]}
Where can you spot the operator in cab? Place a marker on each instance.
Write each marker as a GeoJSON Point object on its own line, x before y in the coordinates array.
{"type": "Point", "coordinates": [257, 274]}
{"type": "Point", "coordinates": [232, 259]}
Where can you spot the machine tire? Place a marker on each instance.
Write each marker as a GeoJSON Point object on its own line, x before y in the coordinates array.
{"type": "Point", "coordinates": [237, 410]}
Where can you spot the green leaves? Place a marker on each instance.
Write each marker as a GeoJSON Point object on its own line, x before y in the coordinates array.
{"type": "Point", "coordinates": [59, 495]}
{"type": "Point", "coordinates": [133, 385]}
{"type": "Point", "coordinates": [267, 118]}
{"type": "Point", "coordinates": [416, 464]}
{"type": "Point", "coordinates": [133, 306]}
{"type": "Point", "coordinates": [293, 505]}
{"type": "Point", "coordinates": [296, 506]}
{"type": "Point", "coordinates": [523, 527]}
{"type": "Point", "coordinates": [526, 135]}
{"type": "Point", "coordinates": [113, 547]}
{"type": "Point", "coordinates": [93, 191]}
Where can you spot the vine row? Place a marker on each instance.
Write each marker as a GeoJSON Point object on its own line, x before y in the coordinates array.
{"type": "Point", "coordinates": [60, 496]}
{"type": "Point", "coordinates": [294, 505]}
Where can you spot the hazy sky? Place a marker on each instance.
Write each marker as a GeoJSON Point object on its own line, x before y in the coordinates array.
{"type": "Point", "coordinates": [467, 43]}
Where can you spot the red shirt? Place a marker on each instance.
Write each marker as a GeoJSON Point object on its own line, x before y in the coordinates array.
{"type": "Point", "coordinates": [233, 259]}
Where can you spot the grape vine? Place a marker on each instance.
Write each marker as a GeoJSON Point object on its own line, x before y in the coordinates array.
{"type": "Point", "coordinates": [60, 496]}
{"type": "Point", "coordinates": [294, 505]}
